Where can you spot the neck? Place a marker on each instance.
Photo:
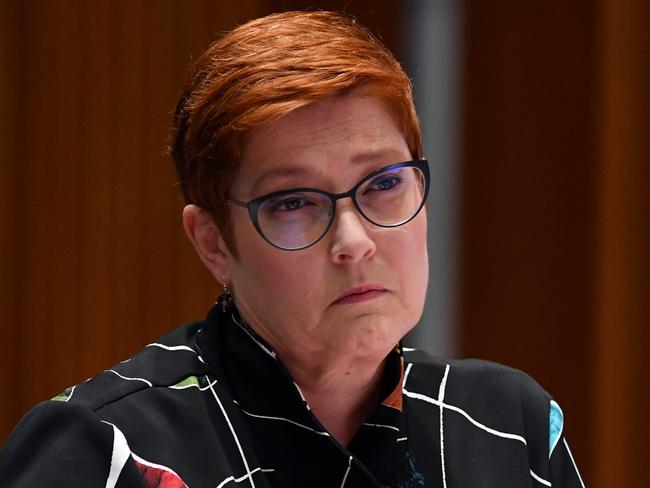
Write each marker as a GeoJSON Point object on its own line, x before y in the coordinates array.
{"type": "Point", "coordinates": [341, 395]}
{"type": "Point", "coordinates": [341, 388]}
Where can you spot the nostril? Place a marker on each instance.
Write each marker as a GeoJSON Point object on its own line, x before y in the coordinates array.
{"type": "Point", "coordinates": [352, 241]}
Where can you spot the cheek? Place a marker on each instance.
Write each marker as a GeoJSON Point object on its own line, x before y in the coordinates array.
{"type": "Point", "coordinates": [270, 276]}
{"type": "Point", "coordinates": [413, 263]}
{"type": "Point", "coordinates": [421, 254]}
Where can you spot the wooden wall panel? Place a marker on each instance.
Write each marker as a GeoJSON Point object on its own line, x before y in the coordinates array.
{"type": "Point", "coordinates": [622, 449]}
{"type": "Point", "coordinates": [97, 252]}
{"type": "Point", "coordinates": [9, 108]}
{"type": "Point", "coordinates": [528, 196]}
{"type": "Point", "coordinates": [93, 258]}
{"type": "Point", "coordinates": [555, 247]}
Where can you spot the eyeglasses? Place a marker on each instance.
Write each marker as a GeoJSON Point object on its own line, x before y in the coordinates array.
{"type": "Point", "coordinates": [299, 217]}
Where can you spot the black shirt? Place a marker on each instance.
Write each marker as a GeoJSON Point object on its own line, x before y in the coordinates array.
{"type": "Point", "coordinates": [211, 405]}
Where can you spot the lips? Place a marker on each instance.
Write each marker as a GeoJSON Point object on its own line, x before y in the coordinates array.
{"type": "Point", "coordinates": [360, 293]}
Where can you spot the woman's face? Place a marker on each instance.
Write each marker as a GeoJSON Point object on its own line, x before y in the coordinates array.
{"type": "Point", "coordinates": [290, 297]}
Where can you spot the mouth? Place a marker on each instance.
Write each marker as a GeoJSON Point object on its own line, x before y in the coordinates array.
{"type": "Point", "coordinates": [360, 294]}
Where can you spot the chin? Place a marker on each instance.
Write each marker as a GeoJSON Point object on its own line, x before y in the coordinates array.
{"type": "Point", "coordinates": [376, 335]}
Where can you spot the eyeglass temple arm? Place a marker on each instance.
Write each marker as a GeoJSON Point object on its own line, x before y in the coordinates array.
{"type": "Point", "coordinates": [239, 203]}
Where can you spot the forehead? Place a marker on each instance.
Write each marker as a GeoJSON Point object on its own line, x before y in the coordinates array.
{"type": "Point", "coordinates": [338, 137]}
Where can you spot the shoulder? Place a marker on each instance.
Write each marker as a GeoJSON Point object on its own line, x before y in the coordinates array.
{"type": "Point", "coordinates": [468, 379]}
{"type": "Point", "coordinates": [134, 402]}
{"type": "Point", "coordinates": [491, 412]}
{"type": "Point", "coordinates": [498, 409]}
{"type": "Point", "coordinates": [168, 361]}
{"type": "Point", "coordinates": [49, 433]}
{"type": "Point", "coordinates": [488, 395]}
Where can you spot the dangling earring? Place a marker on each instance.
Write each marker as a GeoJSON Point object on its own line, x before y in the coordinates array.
{"type": "Point", "coordinates": [226, 298]}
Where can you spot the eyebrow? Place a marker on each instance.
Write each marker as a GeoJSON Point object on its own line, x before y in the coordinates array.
{"type": "Point", "coordinates": [282, 172]}
{"type": "Point", "coordinates": [387, 154]}
{"type": "Point", "coordinates": [297, 170]}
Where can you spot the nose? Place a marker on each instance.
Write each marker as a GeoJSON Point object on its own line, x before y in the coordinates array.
{"type": "Point", "coordinates": [351, 242]}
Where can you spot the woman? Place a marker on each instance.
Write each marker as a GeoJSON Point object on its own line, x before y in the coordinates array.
{"type": "Point", "coordinates": [298, 152]}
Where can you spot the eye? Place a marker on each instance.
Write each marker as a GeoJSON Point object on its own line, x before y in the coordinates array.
{"type": "Point", "coordinates": [384, 182]}
{"type": "Point", "coordinates": [289, 203]}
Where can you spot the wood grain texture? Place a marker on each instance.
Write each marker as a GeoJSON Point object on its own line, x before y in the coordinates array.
{"type": "Point", "coordinates": [623, 337]}
{"type": "Point", "coordinates": [529, 194]}
{"type": "Point", "coordinates": [555, 249]}
{"type": "Point", "coordinates": [94, 260]}
{"type": "Point", "coordinates": [9, 170]}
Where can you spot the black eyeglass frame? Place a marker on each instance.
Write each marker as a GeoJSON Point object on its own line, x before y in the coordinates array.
{"type": "Point", "coordinates": [254, 204]}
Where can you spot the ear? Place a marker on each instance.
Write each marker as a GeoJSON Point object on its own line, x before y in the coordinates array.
{"type": "Point", "coordinates": [207, 240]}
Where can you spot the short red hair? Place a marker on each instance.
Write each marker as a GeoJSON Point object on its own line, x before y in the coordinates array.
{"type": "Point", "coordinates": [262, 71]}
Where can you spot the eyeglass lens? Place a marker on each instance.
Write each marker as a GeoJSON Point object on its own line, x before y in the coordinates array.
{"type": "Point", "coordinates": [296, 220]}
